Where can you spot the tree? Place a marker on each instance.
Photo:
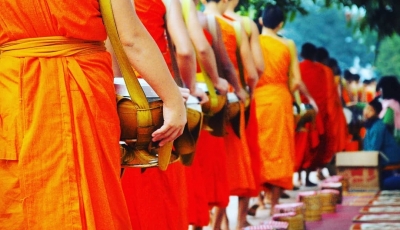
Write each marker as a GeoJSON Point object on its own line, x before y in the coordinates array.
{"type": "Point", "coordinates": [382, 16]}
{"type": "Point", "coordinates": [388, 59]}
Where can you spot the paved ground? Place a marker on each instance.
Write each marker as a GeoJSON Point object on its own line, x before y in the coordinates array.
{"type": "Point", "coordinates": [263, 215]}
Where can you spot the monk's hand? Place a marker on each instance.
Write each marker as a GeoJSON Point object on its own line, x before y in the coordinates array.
{"type": "Point", "coordinates": [242, 95]}
{"type": "Point", "coordinates": [174, 122]}
{"type": "Point", "coordinates": [200, 94]}
{"type": "Point", "coordinates": [185, 93]}
{"type": "Point", "coordinates": [222, 86]}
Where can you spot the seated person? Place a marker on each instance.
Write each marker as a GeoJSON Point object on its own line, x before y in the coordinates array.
{"type": "Point", "coordinates": [378, 137]}
{"type": "Point", "coordinates": [388, 87]}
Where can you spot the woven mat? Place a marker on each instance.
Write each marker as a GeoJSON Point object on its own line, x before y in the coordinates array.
{"type": "Point", "coordinates": [357, 198]}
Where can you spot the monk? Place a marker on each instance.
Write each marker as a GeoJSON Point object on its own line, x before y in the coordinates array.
{"type": "Point", "coordinates": [335, 122]}
{"type": "Point", "coordinates": [275, 163]}
{"type": "Point", "coordinates": [198, 209]}
{"type": "Point", "coordinates": [314, 78]}
{"type": "Point", "coordinates": [60, 160]}
{"type": "Point", "coordinates": [154, 193]}
{"type": "Point", "coordinates": [239, 179]}
{"type": "Point", "coordinates": [210, 155]}
{"type": "Point", "coordinates": [342, 128]}
{"type": "Point", "coordinates": [233, 145]}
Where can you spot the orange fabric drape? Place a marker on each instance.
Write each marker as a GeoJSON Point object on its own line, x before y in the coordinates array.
{"type": "Point", "coordinates": [315, 132]}
{"type": "Point", "coordinates": [197, 188]}
{"type": "Point", "coordinates": [59, 157]}
{"type": "Point", "coordinates": [302, 147]}
{"type": "Point", "coordinates": [240, 175]}
{"type": "Point", "coordinates": [198, 209]}
{"type": "Point", "coordinates": [211, 155]}
{"type": "Point", "coordinates": [320, 82]}
{"type": "Point", "coordinates": [157, 199]}
{"type": "Point", "coordinates": [240, 171]}
{"type": "Point", "coordinates": [271, 134]}
{"type": "Point", "coordinates": [335, 135]}
{"type": "Point", "coordinates": [313, 77]}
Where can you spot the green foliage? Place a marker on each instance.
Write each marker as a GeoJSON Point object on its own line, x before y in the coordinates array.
{"type": "Point", "coordinates": [382, 16]}
{"type": "Point", "coordinates": [388, 59]}
{"type": "Point", "coordinates": [253, 8]}
{"type": "Point", "coordinates": [372, 22]}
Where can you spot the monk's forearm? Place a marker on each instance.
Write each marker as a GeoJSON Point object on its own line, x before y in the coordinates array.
{"type": "Point", "coordinates": [256, 49]}
{"type": "Point", "coordinates": [231, 76]}
{"type": "Point", "coordinates": [248, 63]}
{"type": "Point", "coordinates": [208, 61]}
{"type": "Point", "coordinates": [156, 72]}
{"type": "Point", "coordinates": [252, 74]}
{"type": "Point", "coordinates": [187, 70]}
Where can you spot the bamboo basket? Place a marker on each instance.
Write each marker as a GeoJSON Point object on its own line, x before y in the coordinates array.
{"type": "Point", "coordinates": [312, 205]}
{"type": "Point", "coordinates": [336, 186]}
{"type": "Point", "coordinates": [328, 200]}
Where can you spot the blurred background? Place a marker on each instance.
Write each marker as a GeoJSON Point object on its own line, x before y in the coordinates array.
{"type": "Point", "coordinates": [363, 35]}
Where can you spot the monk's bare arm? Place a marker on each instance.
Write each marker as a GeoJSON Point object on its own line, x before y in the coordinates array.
{"type": "Point", "coordinates": [204, 50]}
{"type": "Point", "coordinates": [140, 48]}
{"type": "Point", "coordinates": [181, 41]}
{"type": "Point", "coordinates": [228, 69]}
{"type": "Point", "coordinates": [248, 62]}
{"type": "Point", "coordinates": [256, 49]}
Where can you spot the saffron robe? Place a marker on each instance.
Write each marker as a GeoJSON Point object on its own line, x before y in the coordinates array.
{"type": "Point", "coordinates": [271, 134]}
{"type": "Point", "coordinates": [334, 139]}
{"type": "Point", "coordinates": [313, 76]}
{"type": "Point", "coordinates": [198, 209]}
{"type": "Point", "coordinates": [240, 175]}
{"type": "Point", "coordinates": [59, 129]}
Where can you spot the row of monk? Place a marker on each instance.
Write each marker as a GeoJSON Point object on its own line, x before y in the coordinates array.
{"type": "Point", "coordinates": [59, 140]}
{"type": "Point", "coordinates": [259, 161]}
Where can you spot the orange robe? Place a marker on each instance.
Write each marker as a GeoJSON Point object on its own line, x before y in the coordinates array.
{"type": "Point", "coordinates": [270, 128]}
{"type": "Point", "coordinates": [198, 209]}
{"type": "Point", "coordinates": [211, 156]}
{"type": "Point", "coordinates": [197, 188]}
{"type": "Point", "coordinates": [240, 176]}
{"type": "Point", "coordinates": [343, 131]}
{"type": "Point", "coordinates": [59, 157]}
{"type": "Point", "coordinates": [315, 130]}
{"type": "Point", "coordinates": [156, 199]}
{"type": "Point", "coordinates": [210, 152]}
{"type": "Point", "coordinates": [313, 76]}
{"type": "Point", "coordinates": [302, 146]}
{"type": "Point", "coordinates": [335, 122]}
